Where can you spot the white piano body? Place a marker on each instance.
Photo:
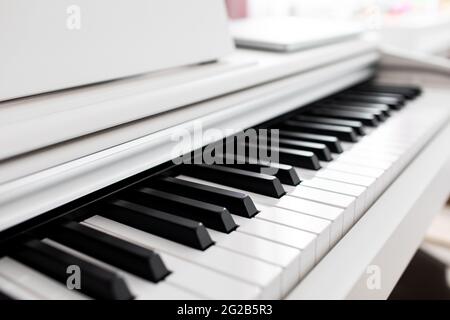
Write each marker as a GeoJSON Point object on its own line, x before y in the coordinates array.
{"type": "Point", "coordinates": [85, 139]}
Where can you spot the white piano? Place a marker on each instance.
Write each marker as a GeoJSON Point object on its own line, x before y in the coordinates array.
{"type": "Point", "coordinates": [87, 178]}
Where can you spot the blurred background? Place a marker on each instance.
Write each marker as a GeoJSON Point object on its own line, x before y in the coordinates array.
{"type": "Point", "coordinates": [419, 26]}
{"type": "Point", "coordinates": [392, 19]}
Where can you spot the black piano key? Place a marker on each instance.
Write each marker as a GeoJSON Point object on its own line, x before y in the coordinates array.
{"type": "Point", "coordinates": [355, 125]}
{"type": "Point", "coordinates": [320, 150]}
{"type": "Point", "coordinates": [211, 215]}
{"type": "Point", "coordinates": [120, 253]}
{"type": "Point", "coordinates": [378, 106]}
{"type": "Point", "coordinates": [96, 282]}
{"type": "Point", "coordinates": [4, 296]}
{"type": "Point", "coordinates": [299, 158]}
{"type": "Point", "coordinates": [407, 92]}
{"type": "Point", "coordinates": [331, 142]}
{"type": "Point", "coordinates": [285, 173]}
{"type": "Point", "coordinates": [366, 118]}
{"type": "Point", "coordinates": [401, 98]}
{"type": "Point", "coordinates": [178, 229]}
{"type": "Point", "coordinates": [340, 132]}
{"type": "Point", "coordinates": [379, 115]}
{"type": "Point", "coordinates": [296, 158]}
{"type": "Point", "coordinates": [236, 202]}
{"type": "Point", "coordinates": [391, 102]}
{"type": "Point", "coordinates": [241, 179]}
{"type": "Point", "coordinates": [398, 96]}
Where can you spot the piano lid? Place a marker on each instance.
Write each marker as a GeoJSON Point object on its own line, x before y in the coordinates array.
{"type": "Point", "coordinates": [50, 45]}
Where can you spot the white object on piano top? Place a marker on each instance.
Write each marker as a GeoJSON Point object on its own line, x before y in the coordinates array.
{"type": "Point", "coordinates": [290, 33]}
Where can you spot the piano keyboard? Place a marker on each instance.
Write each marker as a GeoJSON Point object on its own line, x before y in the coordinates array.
{"type": "Point", "coordinates": [228, 231]}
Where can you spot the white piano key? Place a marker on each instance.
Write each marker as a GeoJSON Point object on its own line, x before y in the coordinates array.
{"type": "Point", "coordinates": [347, 145]}
{"type": "Point", "coordinates": [358, 192]}
{"type": "Point", "coordinates": [212, 284]}
{"type": "Point", "coordinates": [237, 266]}
{"type": "Point", "coordinates": [389, 163]}
{"type": "Point", "coordinates": [302, 240]}
{"type": "Point", "coordinates": [333, 214]}
{"type": "Point", "coordinates": [356, 169]}
{"type": "Point", "coordinates": [17, 292]}
{"type": "Point", "coordinates": [35, 282]}
{"type": "Point", "coordinates": [346, 177]}
{"type": "Point", "coordinates": [330, 198]}
{"type": "Point", "coordinates": [372, 155]}
{"type": "Point", "coordinates": [360, 169]}
{"type": "Point", "coordinates": [321, 228]}
{"type": "Point", "coordinates": [350, 178]}
{"type": "Point", "coordinates": [140, 288]}
{"type": "Point", "coordinates": [353, 158]}
{"type": "Point", "coordinates": [318, 226]}
{"type": "Point", "coordinates": [280, 255]}
{"type": "Point", "coordinates": [379, 149]}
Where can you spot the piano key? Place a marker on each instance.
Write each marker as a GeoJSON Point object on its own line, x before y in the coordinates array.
{"type": "Point", "coordinates": [182, 230]}
{"type": "Point", "coordinates": [127, 256]}
{"type": "Point", "coordinates": [301, 206]}
{"type": "Point", "coordinates": [140, 288]}
{"type": "Point", "coordinates": [379, 106]}
{"type": "Point", "coordinates": [245, 269]}
{"type": "Point", "coordinates": [359, 192]}
{"type": "Point", "coordinates": [293, 157]}
{"type": "Point", "coordinates": [368, 160]}
{"type": "Point", "coordinates": [217, 286]}
{"type": "Point", "coordinates": [302, 219]}
{"type": "Point", "coordinates": [333, 214]}
{"type": "Point", "coordinates": [171, 287]}
{"type": "Point", "coordinates": [211, 215]}
{"type": "Point", "coordinates": [350, 178]}
{"type": "Point", "coordinates": [212, 285]}
{"type": "Point", "coordinates": [355, 125]}
{"type": "Point", "coordinates": [237, 203]}
{"type": "Point", "coordinates": [183, 282]}
{"type": "Point", "coordinates": [340, 132]}
{"type": "Point", "coordinates": [330, 198]}
{"type": "Point", "coordinates": [320, 150]}
{"type": "Point", "coordinates": [285, 173]}
{"type": "Point", "coordinates": [391, 102]}
{"type": "Point", "coordinates": [12, 291]}
{"type": "Point", "coordinates": [379, 115]}
{"type": "Point", "coordinates": [356, 169]}
{"type": "Point", "coordinates": [320, 227]}
{"type": "Point", "coordinates": [381, 97]}
{"type": "Point", "coordinates": [330, 141]}
{"type": "Point", "coordinates": [95, 281]}
{"type": "Point", "coordinates": [288, 258]}
{"type": "Point", "coordinates": [366, 169]}
{"type": "Point", "coordinates": [27, 283]}
{"type": "Point", "coordinates": [3, 295]}
{"type": "Point", "coordinates": [299, 158]}
{"type": "Point", "coordinates": [397, 96]}
{"type": "Point", "coordinates": [283, 235]}
{"type": "Point", "coordinates": [251, 181]}
{"type": "Point", "coordinates": [367, 119]}
{"type": "Point", "coordinates": [407, 92]}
